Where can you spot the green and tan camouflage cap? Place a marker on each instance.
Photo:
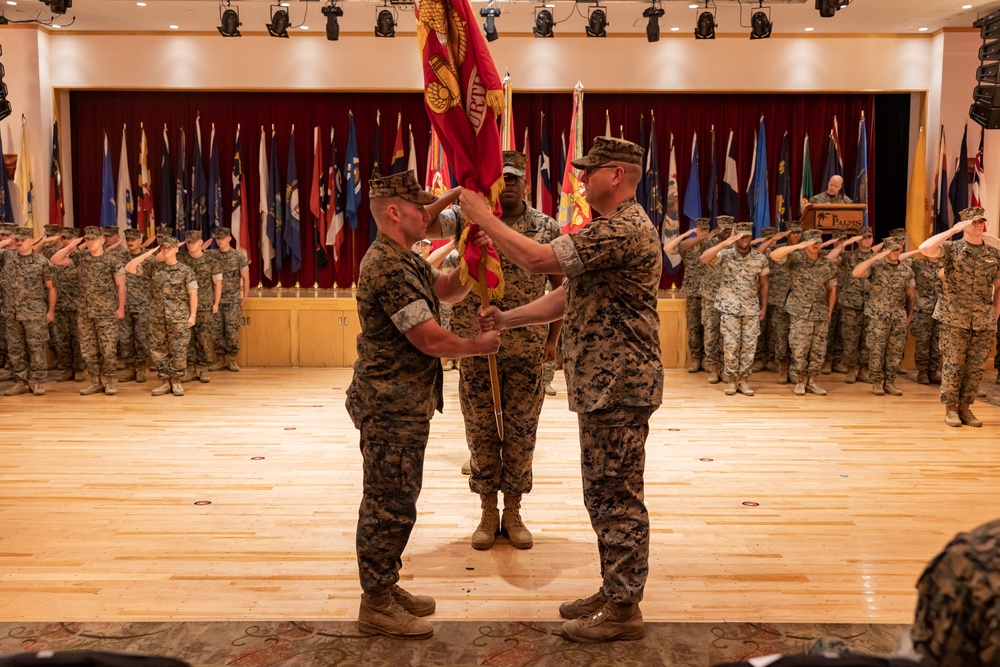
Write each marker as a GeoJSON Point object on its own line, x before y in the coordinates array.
{"type": "Point", "coordinates": [221, 233]}
{"type": "Point", "coordinates": [404, 186]}
{"type": "Point", "coordinates": [609, 149]}
{"type": "Point", "coordinates": [703, 223]}
{"type": "Point", "coordinates": [515, 162]}
{"type": "Point", "coordinates": [744, 228]}
{"type": "Point", "coordinates": [812, 235]}
{"type": "Point", "coordinates": [768, 232]}
{"type": "Point", "coordinates": [92, 232]}
{"type": "Point", "coordinates": [21, 233]}
{"type": "Point", "coordinates": [973, 213]}
{"type": "Point", "coordinates": [726, 221]}
{"type": "Point", "coordinates": [133, 233]}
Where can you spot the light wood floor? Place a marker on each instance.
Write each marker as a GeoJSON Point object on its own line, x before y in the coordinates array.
{"type": "Point", "coordinates": [97, 494]}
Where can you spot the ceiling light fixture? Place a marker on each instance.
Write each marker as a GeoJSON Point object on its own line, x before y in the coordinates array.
{"type": "Point", "coordinates": [333, 13]}
{"type": "Point", "coordinates": [597, 22]}
{"type": "Point", "coordinates": [385, 23]}
{"type": "Point", "coordinates": [278, 27]}
{"type": "Point", "coordinates": [58, 6]}
{"type": "Point", "coordinates": [760, 22]}
{"type": "Point", "coordinates": [652, 15]}
{"type": "Point", "coordinates": [705, 29]}
{"type": "Point", "coordinates": [229, 21]}
{"type": "Point", "coordinates": [490, 13]}
{"type": "Point", "coordinates": [543, 23]}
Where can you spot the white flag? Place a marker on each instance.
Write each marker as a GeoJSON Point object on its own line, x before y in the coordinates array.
{"type": "Point", "coordinates": [266, 249]}
{"type": "Point", "coordinates": [411, 164]}
{"type": "Point", "coordinates": [124, 199]}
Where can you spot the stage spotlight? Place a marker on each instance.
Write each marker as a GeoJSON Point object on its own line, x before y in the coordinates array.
{"type": "Point", "coordinates": [58, 6]}
{"type": "Point", "coordinates": [278, 27]}
{"type": "Point", "coordinates": [385, 24]}
{"type": "Point", "coordinates": [332, 13]}
{"type": "Point", "coordinates": [760, 25]}
{"type": "Point", "coordinates": [597, 23]}
{"type": "Point", "coordinates": [653, 14]}
{"type": "Point", "coordinates": [543, 23]}
{"type": "Point", "coordinates": [490, 28]}
{"type": "Point", "coordinates": [827, 8]}
{"type": "Point", "coordinates": [230, 22]}
{"type": "Point", "coordinates": [706, 26]}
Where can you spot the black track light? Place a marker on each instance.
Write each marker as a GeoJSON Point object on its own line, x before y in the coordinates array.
{"type": "Point", "coordinates": [706, 26]}
{"type": "Point", "coordinates": [597, 23]}
{"type": "Point", "coordinates": [543, 23]}
{"type": "Point", "coordinates": [385, 24]}
{"type": "Point", "coordinates": [653, 14]}
{"type": "Point", "coordinates": [827, 8]}
{"type": "Point", "coordinates": [760, 26]}
{"type": "Point", "coordinates": [332, 13]}
{"type": "Point", "coordinates": [230, 22]}
{"type": "Point", "coordinates": [490, 28]}
{"type": "Point", "coordinates": [278, 27]}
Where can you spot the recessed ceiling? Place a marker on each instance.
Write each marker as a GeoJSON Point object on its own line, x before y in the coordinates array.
{"type": "Point", "coordinates": [790, 17]}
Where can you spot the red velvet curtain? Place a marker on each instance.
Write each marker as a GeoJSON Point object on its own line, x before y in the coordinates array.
{"type": "Point", "coordinates": [95, 112]}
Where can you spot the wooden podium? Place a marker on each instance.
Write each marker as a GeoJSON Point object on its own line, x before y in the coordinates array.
{"type": "Point", "coordinates": [833, 217]}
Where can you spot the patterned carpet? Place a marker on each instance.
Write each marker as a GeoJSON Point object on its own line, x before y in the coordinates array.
{"type": "Point", "coordinates": [506, 644]}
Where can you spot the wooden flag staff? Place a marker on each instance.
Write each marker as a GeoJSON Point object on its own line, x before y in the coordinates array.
{"type": "Point", "coordinates": [484, 300]}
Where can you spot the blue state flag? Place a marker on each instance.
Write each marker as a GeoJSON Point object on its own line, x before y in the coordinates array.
{"type": "Point", "coordinates": [292, 235]}
{"type": "Point", "coordinates": [762, 203]}
{"type": "Point", "coordinates": [199, 187]}
{"type": "Point", "coordinates": [352, 178]}
{"type": "Point", "coordinates": [712, 204]}
{"type": "Point", "coordinates": [692, 193]}
{"type": "Point", "coordinates": [109, 210]}
{"type": "Point", "coordinates": [277, 194]}
{"type": "Point", "coordinates": [834, 165]}
{"type": "Point", "coordinates": [958, 192]}
{"type": "Point", "coordinates": [654, 195]}
{"type": "Point", "coordinates": [214, 191]}
{"type": "Point", "coordinates": [861, 172]}
{"type": "Point", "coordinates": [376, 171]}
{"type": "Point", "coordinates": [783, 185]}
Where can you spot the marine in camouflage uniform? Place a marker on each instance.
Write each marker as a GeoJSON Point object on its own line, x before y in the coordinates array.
{"type": "Point", "coordinates": [851, 301]}
{"type": "Point", "coordinates": [46, 246]}
{"type": "Point", "coordinates": [834, 193]}
{"type": "Point", "coordinates": [711, 318]}
{"type": "Point", "coordinates": [102, 300]}
{"type": "Point", "coordinates": [29, 299]}
{"type": "Point", "coordinates": [504, 465]}
{"type": "Point", "coordinates": [925, 329]}
{"type": "Point", "coordinates": [115, 246]}
{"type": "Point", "coordinates": [235, 268]}
{"type": "Point", "coordinates": [966, 310]}
{"type": "Point", "coordinates": [779, 283]}
{"type": "Point", "coordinates": [208, 273]}
{"type": "Point", "coordinates": [888, 307]}
{"type": "Point", "coordinates": [6, 229]}
{"type": "Point", "coordinates": [760, 356]}
{"type": "Point", "coordinates": [808, 306]}
{"type": "Point", "coordinates": [66, 335]}
{"type": "Point", "coordinates": [694, 270]}
{"type": "Point", "coordinates": [957, 621]}
{"type": "Point", "coordinates": [135, 345]}
{"type": "Point", "coordinates": [743, 288]}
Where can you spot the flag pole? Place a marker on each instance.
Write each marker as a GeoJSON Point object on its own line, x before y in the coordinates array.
{"type": "Point", "coordinates": [484, 300]}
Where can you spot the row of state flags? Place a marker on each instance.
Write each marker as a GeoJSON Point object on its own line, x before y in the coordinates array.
{"type": "Point", "coordinates": [950, 198]}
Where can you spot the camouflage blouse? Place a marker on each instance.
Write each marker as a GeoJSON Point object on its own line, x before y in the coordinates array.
{"type": "Point", "coordinates": [739, 290]}
{"type": "Point", "coordinates": [967, 298]}
{"type": "Point", "coordinates": [810, 280]}
{"type": "Point", "coordinates": [887, 285]}
{"type": "Point", "coordinates": [23, 278]}
{"type": "Point", "coordinates": [98, 289]}
{"type": "Point", "coordinates": [169, 286]}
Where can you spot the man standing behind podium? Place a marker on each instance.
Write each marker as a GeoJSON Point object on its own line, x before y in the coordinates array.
{"type": "Point", "coordinates": [614, 375]}
{"type": "Point", "coordinates": [834, 193]}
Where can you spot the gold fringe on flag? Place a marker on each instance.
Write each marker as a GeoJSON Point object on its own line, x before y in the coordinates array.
{"type": "Point", "coordinates": [472, 282]}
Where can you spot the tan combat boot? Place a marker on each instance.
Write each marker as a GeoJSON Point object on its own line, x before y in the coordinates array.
{"type": "Point", "coordinates": [713, 376]}
{"type": "Point", "coordinates": [783, 372]}
{"type": "Point", "coordinates": [800, 389]}
{"type": "Point", "coordinates": [814, 388]}
{"type": "Point", "coordinates": [64, 376]}
{"type": "Point", "coordinates": [549, 389]}
{"type": "Point", "coordinates": [827, 367]}
{"type": "Point", "coordinates": [79, 376]}
{"type": "Point", "coordinates": [923, 377]}
{"type": "Point", "coordinates": [140, 373]}
{"type": "Point", "coordinates": [20, 387]}
{"type": "Point", "coordinates": [758, 366]}
{"type": "Point", "coordinates": [967, 418]}
{"type": "Point", "coordinates": [890, 388]}
{"type": "Point", "coordinates": [852, 376]}
{"type": "Point", "coordinates": [94, 387]}
{"type": "Point", "coordinates": [418, 605]}
{"type": "Point", "coordinates": [615, 621]}
{"type": "Point", "coordinates": [232, 365]}
{"type": "Point", "coordinates": [731, 387]}
{"type": "Point", "coordinates": [203, 374]}
{"type": "Point", "coordinates": [37, 388]}
{"type": "Point", "coordinates": [383, 615]}
{"type": "Point", "coordinates": [6, 375]}
{"type": "Point", "coordinates": [489, 526]}
{"type": "Point", "coordinates": [163, 389]}
{"type": "Point", "coordinates": [220, 363]}
{"type": "Point", "coordinates": [467, 467]}
{"type": "Point", "coordinates": [176, 388]}
{"type": "Point", "coordinates": [864, 375]}
{"type": "Point", "coordinates": [511, 524]}
{"type": "Point", "coordinates": [951, 417]}
{"type": "Point", "coordinates": [878, 388]}
{"type": "Point", "coordinates": [190, 372]}
{"type": "Point", "coordinates": [129, 374]}
{"type": "Point", "coordinates": [694, 366]}
{"type": "Point", "coordinates": [110, 386]}
{"type": "Point", "coordinates": [744, 388]}
{"type": "Point", "coordinates": [584, 606]}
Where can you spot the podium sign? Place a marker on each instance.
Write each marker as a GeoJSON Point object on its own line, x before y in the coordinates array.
{"type": "Point", "coordinates": [833, 217]}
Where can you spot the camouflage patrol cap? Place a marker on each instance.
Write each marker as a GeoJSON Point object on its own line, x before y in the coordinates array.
{"type": "Point", "coordinates": [404, 186]}
{"type": "Point", "coordinates": [768, 232]}
{"type": "Point", "coordinates": [973, 213]}
{"type": "Point", "coordinates": [843, 234]}
{"type": "Point", "coordinates": [163, 230]}
{"type": "Point", "coordinates": [812, 235]}
{"type": "Point", "coordinates": [726, 221]}
{"type": "Point", "coordinates": [109, 230]}
{"type": "Point", "coordinates": [22, 233]}
{"type": "Point", "coordinates": [92, 232]}
{"type": "Point", "coordinates": [170, 241]}
{"type": "Point", "coordinates": [703, 223]}
{"type": "Point", "coordinates": [744, 229]}
{"type": "Point", "coordinates": [52, 230]}
{"type": "Point", "coordinates": [7, 228]}
{"type": "Point", "coordinates": [69, 232]}
{"type": "Point", "coordinates": [133, 233]}
{"type": "Point", "coordinates": [609, 149]}
{"type": "Point", "coordinates": [192, 236]}
{"type": "Point", "coordinates": [898, 232]}
{"type": "Point", "coordinates": [891, 243]}
{"type": "Point", "coordinates": [221, 233]}
{"type": "Point", "coordinates": [866, 232]}
{"type": "Point", "coordinates": [514, 163]}
{"type": "Point", "coordinates": [793, 228]}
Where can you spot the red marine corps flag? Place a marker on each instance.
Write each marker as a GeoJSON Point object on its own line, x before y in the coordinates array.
{"type": "Point", "coordinates": [464, 95]}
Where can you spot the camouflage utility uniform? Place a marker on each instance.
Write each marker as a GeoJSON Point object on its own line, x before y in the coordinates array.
{"type": "Point", "coordinates": [779, 282]}
{"type": "Point", "coordinates": [694, 269]}
{"type": "Point", "coordinates": [135, 346]}
{"type": "Point", "coordinates": [207, 272]}
{"type": "Point", "coordinates": [614, 378]}
{"type": "Point", "coordinates": [66, 333]}
{"type": "Point", "coordinates": [232, 264]}
{"type": "Point", "coordinates": [885, 309]}
{"type": "Point", "coordinates": [925, 329]}
{"type": "Point", "coordinates": [711, 318]}
{"type": "Point", "coordinates": [96, 312]}
{"type": "Point", "coordinates": [826, 198]}
{"type": "Point", "coordinates": [169, 311]}
{"type": "Point", "coordinates": [25, 280]}
{"type": "Point", "coordinates": [808, 311]}
{"type": "Point", "coordinates": [738, 300]}
{"type": "Point", "coordinates": [853, 310]}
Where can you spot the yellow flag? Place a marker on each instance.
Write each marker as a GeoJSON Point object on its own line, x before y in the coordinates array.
{"type": "Point", "coordinates": [25, 187]}
{"type": "Point", "coordinates": [917, 204]}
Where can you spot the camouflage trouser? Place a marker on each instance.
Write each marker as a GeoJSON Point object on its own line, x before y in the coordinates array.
{"type": "Point", "coordinates": [853, 328]}
{"type": "Point", "coordinates": [963, 359]}
{"type": "Point", "coordinates": [27, 347]}
{"type": "Point", "coordinates": [926, 344]}
{"type": "Point", "coordinates": [760, 352]}
{"type": "Point", "coordinates": [957, 621]}
{"type": "Point", "coordinates": [834, 345]}
{"type": "Point", "coordinates": [711, 320]}
{"type": "Point", "coordinates": [3, 336]}
{"type": "Point", "coordinates": [122, 333]}
{"type": "Point", "coordinates": [393, 454]}
{"type": "Point", "coordinates": [501, 465]}
{"type": "Point", "coordinates": [886, 340]}
{"type": "Point", "coordinates": [777, 333]}
{"type": "Point", "coordinates": [613, 459]}
{"type": "Point", "coordinates": [696, 338]}
{"type": "Point", "coordinates": [739, 338]}
{"type": "Point", "coordinates": [807, 342]}
{"type": "Point", "coordinates": [203, 336]}
{"type": "Point", "coordinates": [67, 340]}
{"type": "Point", "coordinates": [135, 344]}
{"type": "Point", "coordinates": [548, 372]}
{"type": "Point", "coordinates": [98, 344]}
{"type": "Point", "coordinates": [168, 343]}
{"type": "Point", "coordinates": [227, 328]}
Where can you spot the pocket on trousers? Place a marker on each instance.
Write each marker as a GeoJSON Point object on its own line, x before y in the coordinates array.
{"type": "Point", "coordinates": [391, 470]}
